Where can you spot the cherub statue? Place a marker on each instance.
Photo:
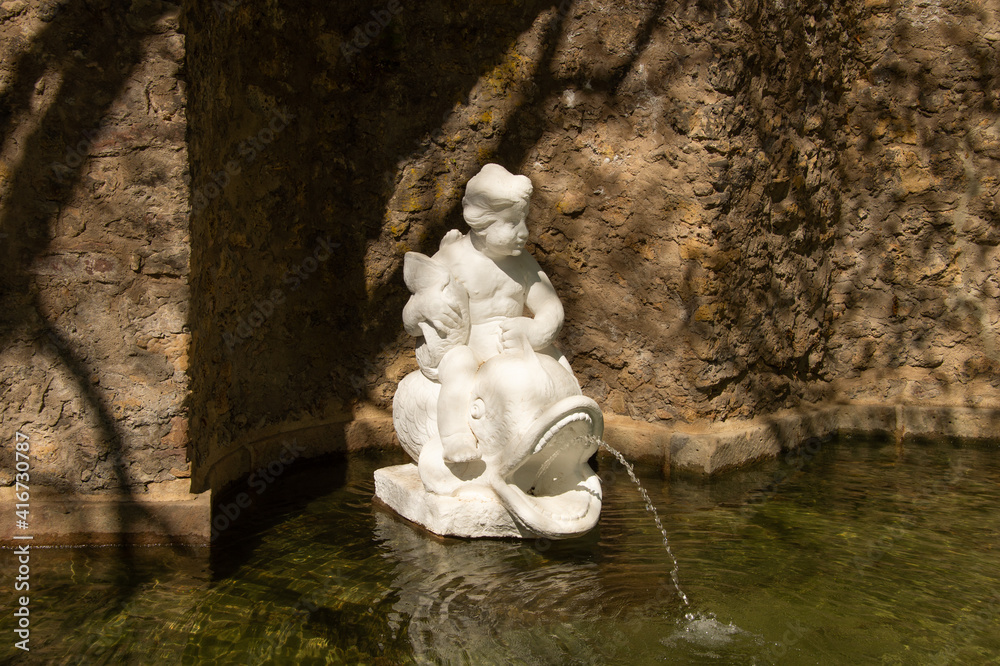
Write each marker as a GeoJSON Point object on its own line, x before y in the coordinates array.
{"type": "Point", "coordinates": [469, 300]}
{"type": "Point", "coordinates": [494, 420]}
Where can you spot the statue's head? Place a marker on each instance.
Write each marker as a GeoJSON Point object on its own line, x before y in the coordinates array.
{"type": "Point", "coordinates": [495, 207]}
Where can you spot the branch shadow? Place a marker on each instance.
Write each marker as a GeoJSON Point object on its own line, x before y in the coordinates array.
{"type": "Point", "coordinates": [91, 54]}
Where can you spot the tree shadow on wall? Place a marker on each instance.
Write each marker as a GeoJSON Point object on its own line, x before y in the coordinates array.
{"type": "Point", "coordinates": [90, 54]}
{"type": "Point", "coordinates": [870, 178]}
{"type": "Point", "coordinates": [279, 337]}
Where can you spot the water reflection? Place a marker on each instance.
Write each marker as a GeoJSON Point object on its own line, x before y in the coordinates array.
{"type": "Point", "coordinates": [482, 597]}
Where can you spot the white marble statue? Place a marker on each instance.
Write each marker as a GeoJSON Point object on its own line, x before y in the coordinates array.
{"type": "Point", "coordinates": [494, 416]}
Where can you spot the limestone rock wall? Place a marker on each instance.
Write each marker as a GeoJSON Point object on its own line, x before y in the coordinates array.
{"type": "Point", "coordinates": [746, 206]}
{"type": "Point", "coordinates": [94, 242]}
{"type": "Point", "coordinates": [913, 295]}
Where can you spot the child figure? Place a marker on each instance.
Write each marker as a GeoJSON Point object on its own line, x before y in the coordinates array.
{"type": "Point", "coordinates": [469, 300]}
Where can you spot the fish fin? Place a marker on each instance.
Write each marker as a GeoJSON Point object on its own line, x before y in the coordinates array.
{"type": "Point", "coordinates": [421, 272]}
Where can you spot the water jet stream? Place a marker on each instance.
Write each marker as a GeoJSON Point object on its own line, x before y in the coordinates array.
{"type": "Point", "coordinates": [675, 572]}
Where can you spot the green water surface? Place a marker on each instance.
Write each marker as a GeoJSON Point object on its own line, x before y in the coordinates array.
{"type": "Point", "coordinates": [848, 552]}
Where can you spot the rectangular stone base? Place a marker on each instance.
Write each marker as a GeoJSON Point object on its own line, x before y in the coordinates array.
{"type": "Point", "coordinates": [471, 515]}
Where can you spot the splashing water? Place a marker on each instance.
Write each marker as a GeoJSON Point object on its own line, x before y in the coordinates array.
{"type": "Point", "coordinates": [675, 572]}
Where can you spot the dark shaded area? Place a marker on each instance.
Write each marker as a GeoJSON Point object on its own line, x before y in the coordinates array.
{"type": "Point", "coordinates": [245, 510]}
{"type": "Point", "coordinates": [93, 50]}
{"type": "Point", "coordinates": [326, 178]}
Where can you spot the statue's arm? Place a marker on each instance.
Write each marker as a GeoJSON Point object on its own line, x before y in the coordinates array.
{"type": "Point", "coordinates": [433, 308]}
{"type": "Point", "coordinates": [547, 309]}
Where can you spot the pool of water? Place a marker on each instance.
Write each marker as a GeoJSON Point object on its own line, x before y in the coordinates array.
{"type": "Point", "coordinates": [847, 552]}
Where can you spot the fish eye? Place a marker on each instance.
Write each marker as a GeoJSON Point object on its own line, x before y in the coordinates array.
{"type": "Point", "coordinates": [477, 409]}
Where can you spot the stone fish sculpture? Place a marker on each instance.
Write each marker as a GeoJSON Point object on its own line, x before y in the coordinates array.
{"type": "Point", "coordinates": [494, 417]}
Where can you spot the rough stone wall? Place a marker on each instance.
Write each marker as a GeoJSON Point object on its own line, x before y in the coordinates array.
{"type": "Point", "coordinates": [94, 242]}
{"type": "Point", "coordinates": [745, 206]}
{"type": "Point", "coordinates": [913, 300]}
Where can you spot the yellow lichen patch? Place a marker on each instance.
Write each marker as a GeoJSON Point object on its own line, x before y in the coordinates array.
{"type": "Point", "coordinates": [707, 312]}
{"type": "Point", "coordinates": [484, 154]}
{"type": "Point", "coordinates": [603, 149]}
{"type": "Point", "coordinates": [514, 66]}
{"type": "Point", "coordinates": [397, 227]}
{"type": "Point", "coordinates": [484, 118]}
{"type": "Point", "coordinates": [442, 189]}
{"type": "Point", "coordinates": [412, 202]}
{"type": "Point", "coordinates": [571, 203]}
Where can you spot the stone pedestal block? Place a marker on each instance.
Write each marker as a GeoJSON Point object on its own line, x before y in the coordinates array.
{"type": "Point", "coordinates": [473, 514]}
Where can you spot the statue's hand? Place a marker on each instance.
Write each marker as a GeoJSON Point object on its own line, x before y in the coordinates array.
{"type": "Point", "coordinates": [441, 310]}
{"type": "Point", "coordinates": [514, 331]}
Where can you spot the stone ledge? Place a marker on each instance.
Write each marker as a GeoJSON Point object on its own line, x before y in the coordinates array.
{"type": "Point", "coordinates": [158, 516]}
{"type": "Point", "coordinates": [167, 513]}
{"type": "Point", "coordinates": [639, 441]}
{"type": "Point", "coordinates": [958, 422]}
{"type": "Point", "coordinates": [700, 448]}
{"type": "Point", "coordinates": [370, 428]}
{"type": "Point", "coordinates": [731, 446]}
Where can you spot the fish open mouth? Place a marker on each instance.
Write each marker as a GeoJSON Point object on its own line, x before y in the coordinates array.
{"type": "Point", "coordinates": [550, 487]}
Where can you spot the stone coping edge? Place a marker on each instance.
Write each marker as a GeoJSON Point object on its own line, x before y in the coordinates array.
{"type": "Point", "coordinates": [370, 428]}
{"type": "Point", "coordinates": [729, 447]}
{"type": "Point", "coordinates": [703, 449]}
{"type": "Point", "coordinates": [154, 517]}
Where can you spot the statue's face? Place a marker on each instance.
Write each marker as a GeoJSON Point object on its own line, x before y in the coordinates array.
{"type": "Point", "coordinates": [506, 236]}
